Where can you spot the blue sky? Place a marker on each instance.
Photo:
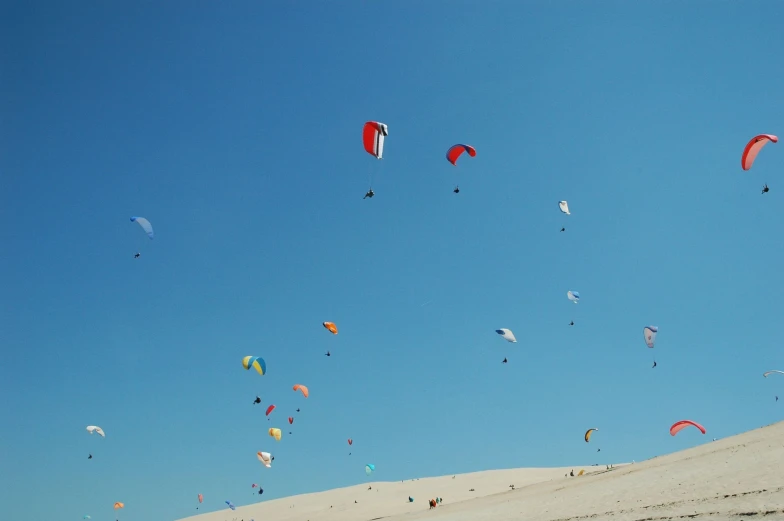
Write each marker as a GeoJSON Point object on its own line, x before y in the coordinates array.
{"type": "Point", "coordinates": [235, 129]}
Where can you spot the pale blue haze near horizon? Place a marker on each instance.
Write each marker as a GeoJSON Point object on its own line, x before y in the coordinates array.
{"type": "Point", "coordinates": [235, 128]}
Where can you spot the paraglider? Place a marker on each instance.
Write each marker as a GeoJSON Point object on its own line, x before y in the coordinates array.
{"type": "Point", "coordinates": [275, 433]}
{"type": "Point", "coordinates": [302, 389]}
{"type": "Point", "coordinates": [679, 426]}
{"type": "Point", "coordinates": [455, 152]}
{"type": "Point", "coordinates": [649, 333]}
{"type": "Point", "coordinates": [753, 148]}
{"type": "Point", "coordinates": [291, 420]}
{"type": "Point", "coordinates": [269, 410]}
{"type": "Point", "coordinates": [119, 505]}
{"type": "Point", "coordinates": [231, 505]}
{"type": "Point", "coordinates": [766, 373]}
{"type": "Point", "coordinates": [588, 434]}
{"type": "Point", "coordinates": [564, 206]}
{"type": "Point", "coordinates": [350, 441]}
{"type": "Point", "coordinates": [331, 327]}
{"type": "Point", "coordinates": [255, 362]}
{"type": "Point", "coordinates": [265, 458]}
{"type": "Point", "coordinates": [506, 334]}
{"type": "Point", "coordinates": [765, 189]}
{"type": "Point", "coordinates": [92, 429]}
{"type": "Point", "coordinates": [574, 296]}
{"type": "Point", "coordinates": [201, 498]}
{"type": "Point", "coordinates": [369, 468]}
{"type": "Point", "coordinates": [373, 135]}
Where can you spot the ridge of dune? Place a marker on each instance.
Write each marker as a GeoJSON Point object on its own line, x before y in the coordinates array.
{"type": "Point", "coordinates": [733, 478]}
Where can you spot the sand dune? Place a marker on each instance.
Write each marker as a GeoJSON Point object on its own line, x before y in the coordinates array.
{"type": "Point", "coordinates": [730, 479]}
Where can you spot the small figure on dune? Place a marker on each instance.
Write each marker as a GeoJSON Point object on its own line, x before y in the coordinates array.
{"type": "Point", "coordinates": [572, 473]}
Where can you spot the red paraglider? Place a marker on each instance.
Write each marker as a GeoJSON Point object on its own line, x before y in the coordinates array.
{"type": "Point", "coordinates": [350, 441]}
{"type": "Point", "coordinates": [679, 426]}
{"type": "Point", "coordinates": [373, 134]}
{"type": "Point", "coordinates": [753, 148]}
{"type": "Point", "coordinates": [291, 420]}
{"type": "Point", "coordinates": [455, 151]}
{"type": "Point", "coordinates": [270, 409]}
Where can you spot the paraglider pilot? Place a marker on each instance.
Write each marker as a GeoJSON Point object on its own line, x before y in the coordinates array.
{"type": "Point", "coordinates": [456, 190]}
{"type": "Point", "coordinates": [257, 400]}
{"type": "Point", "coordinates": [370, 193]}
{"type": "Point", "coordinates": [504, 361]}
{"type": "Point", "coordinates": [765, 189]}
{"type": "Point", "coordinates": [137, 255]}
{"type": "Point", "coordinates": [654, 364]}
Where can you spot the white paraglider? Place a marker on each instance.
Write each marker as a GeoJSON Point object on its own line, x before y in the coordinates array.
{"type": "Point", "coordinates": [506, 334]}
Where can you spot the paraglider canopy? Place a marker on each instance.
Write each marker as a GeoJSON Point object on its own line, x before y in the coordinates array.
{"type": "Point", "coordinates": [679, 426]}
{"type": "Point", "coordinates": [350, 441]}
{"type": "Point", "coordinates": [506, 334]}
{"type": "Point", "coordinates": [255, 362]}
{"type": "Point", "coordinates": [574, 296]}
{"type": "Point", "coordinates": [331, 327]}
{"type": "Point", "coordinates": [275, 433]}
{"type": "Point", "coordinates": [373, 134]}
{"type": "Point", "coordinates": [92, 429]}
{"type": "Point", "coordinates": [119, 505]}
{"type": "Point", "coordinates": [302, 389]}
{"type": "Point", "coordinates": [369, 468]}
{"type": "Point", "coordinates": [269, 410]}
{"type": "Point", "coordinates": [564, 206]}
{"type": "Point", "coordinates": [456, 151]}
{"type": "Point", "coordinates": [201, 498]}
{"type": "Point", "coordinates": [146, 226]}
{"type": "Point", "coordinates": [265, 458]}
{"type": "Point", "coordinates": [231, 505]}
{"type": "Point", "coordinates": [291, 420]}
{"type": "Point", "coordinates": [753, 148]}
{"type": "Point", "coordinates": [588, 434]}
{"type": "Point", "coordinates": [765, 374]}
{"type": "Point", "coordinates": [650, 335]}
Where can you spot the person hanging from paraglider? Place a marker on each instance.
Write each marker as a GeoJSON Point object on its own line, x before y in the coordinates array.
{"type": "Point", "coordinates": [257, 400]}
{"type": "Point", "coordinates": [654, 364]}
{"type": "Point", "coordinates": [137, 255]}
{"type": "Point", "coordinates": [765, 189]}
{"type": "Point", "coordinates": [571, 323]}
{"type": "Point", "coordinates": [297, 410]}
{"type": "Point", "coordinates": [504, 361]}
{"type": "Point", "coordinates": [456, 190]}
{"type": "Point", "coordinates": [327, 354]}
{"type": "Point", "coordinates": [563, 229]}
{"type": "Point", "coordinates": [370, 193]}
{"type": "Point", "coordinates": [91, 456]}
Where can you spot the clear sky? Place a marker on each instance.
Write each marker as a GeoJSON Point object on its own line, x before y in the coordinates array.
{"type": "Point", "coordinates": [235, 128]}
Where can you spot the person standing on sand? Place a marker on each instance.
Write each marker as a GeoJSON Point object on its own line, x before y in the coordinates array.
{"type": "Point", "coordinates": [572, 473]}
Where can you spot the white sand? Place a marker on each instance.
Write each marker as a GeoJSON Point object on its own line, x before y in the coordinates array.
{"type": "Point", "coordinates": [736, 478]}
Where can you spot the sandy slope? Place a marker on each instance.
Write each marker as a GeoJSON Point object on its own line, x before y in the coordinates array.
{"type": "Point", "coordinates": [736, 478]}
